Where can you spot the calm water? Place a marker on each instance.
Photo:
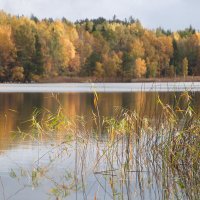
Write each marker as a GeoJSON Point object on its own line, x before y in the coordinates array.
{"type": "Point", "coordinates": [102, 87]}
{"type": "Point", "coordinates": [81, 169]}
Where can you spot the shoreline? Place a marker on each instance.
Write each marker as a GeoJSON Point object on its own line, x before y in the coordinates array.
{"type": "Point", "coordinates": [63, 79]}
{"type": "Point", "coordinates": [66, 79]}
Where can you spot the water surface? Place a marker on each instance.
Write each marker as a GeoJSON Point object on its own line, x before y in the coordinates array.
{"type": "Point", "coordinates": [102, 87]}
{"type": "Point", "coordinates": [47, 168]}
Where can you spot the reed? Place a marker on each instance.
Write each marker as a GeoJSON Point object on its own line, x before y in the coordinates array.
{"type": "Point", "coordinates": [130, 155]}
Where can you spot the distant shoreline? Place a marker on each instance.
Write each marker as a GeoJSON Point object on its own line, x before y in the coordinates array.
{"type": "Point", "coordinates": [63, 79]}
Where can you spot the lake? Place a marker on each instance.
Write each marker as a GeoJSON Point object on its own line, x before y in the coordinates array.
{"type": "Point", "coordinates": [102, 87]}
{"type": "Point", "coordinates": [61, 141]}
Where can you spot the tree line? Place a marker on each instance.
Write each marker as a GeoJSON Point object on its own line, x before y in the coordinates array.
{"type": "Point", "coordinates": [31, 49]}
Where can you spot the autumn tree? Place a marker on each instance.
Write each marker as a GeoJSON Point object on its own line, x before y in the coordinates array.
{"type": "Point", "coordinates": [164, 47]}
{"type": "Point", "coordinates": [99, 70]}
{"type": "Point", "coordinates": [137, 49]}
{"type": "Point", "coordinates": [44, 36]}
{"type": "Point", "coordinates": [139, 68]}
{"type": "Point", "coordinates": [99, 48]}
{"type": "Point", "coordinates": [84, 47]}
{"type": "Point", "coordinates": [7, 52]}
{"type": "Point", "coordinates": [149, 40]}
{"type": "Point", "coordinates": [31, 48]}
{"type": "Point", "coordinates": [151, 68]}
{"type": "Point", "coordinates": [24, 36]}
{"type": "Point", "coordinates": [62, 49]}
{"type": "Point", "coordinates": [112, 64]}
{"type": "Point", "coordinates": [75, 65]}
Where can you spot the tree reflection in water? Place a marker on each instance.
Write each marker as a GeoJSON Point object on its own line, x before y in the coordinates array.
{"type": "Point", "coordinates": [124, 156]}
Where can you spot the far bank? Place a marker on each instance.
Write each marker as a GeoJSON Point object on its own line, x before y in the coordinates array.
{"type": "Point", "coordinates": [65, 79]}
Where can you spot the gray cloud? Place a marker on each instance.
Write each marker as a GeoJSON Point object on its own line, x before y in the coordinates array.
{"type": "Point", "coordinates": [170, 14]}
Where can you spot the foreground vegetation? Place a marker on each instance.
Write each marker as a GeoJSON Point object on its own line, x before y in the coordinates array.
{"type": "Point", "coordinates": [129, 155]}
{"type": "Point", "coordinates": [31, 49]}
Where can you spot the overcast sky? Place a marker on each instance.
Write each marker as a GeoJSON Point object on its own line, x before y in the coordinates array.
{"type": "Point", "coordinates": [170, 14]}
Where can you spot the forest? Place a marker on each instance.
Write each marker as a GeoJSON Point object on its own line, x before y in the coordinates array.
{"type": "Point", "coordinates": [32, 49]}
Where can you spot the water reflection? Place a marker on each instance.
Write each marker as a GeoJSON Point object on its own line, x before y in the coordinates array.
{"type": "Point", "coordinates": [17, 108]}
{"type": "Point", "coordinates": [85, 167]}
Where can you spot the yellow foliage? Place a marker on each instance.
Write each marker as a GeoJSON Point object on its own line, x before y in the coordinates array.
{"type": "Point", "coordinates": [140, 68]}
{"type": "Point", "coordinates": [165, 45]}
{"type": "Point", "coordinates": [60, 46]}
{"type": "Point", "coordinates": [84, 45]}
{"type": "Point", "coordinates": [17, 74]}
{"type": "Point", "coordinates": [111, 64]}
{"type": "Point", "coordinates": [3, 18]}
{"type": "Point", "coordinates": [7, 48]}
{"type": "Point", "coordinates": [137, 48]}
{"type": "Point", "coordinates": [114, 26]}
{"type": "Point", "coordinates": [75, 63]}
{"type": "Point", "coordinates": [99, 70]}
{"type": "Point", "coordinates": [176, 36]}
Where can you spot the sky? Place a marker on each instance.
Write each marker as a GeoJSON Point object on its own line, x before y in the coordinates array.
{"type": "Point", "coordinates": [168, 14]}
